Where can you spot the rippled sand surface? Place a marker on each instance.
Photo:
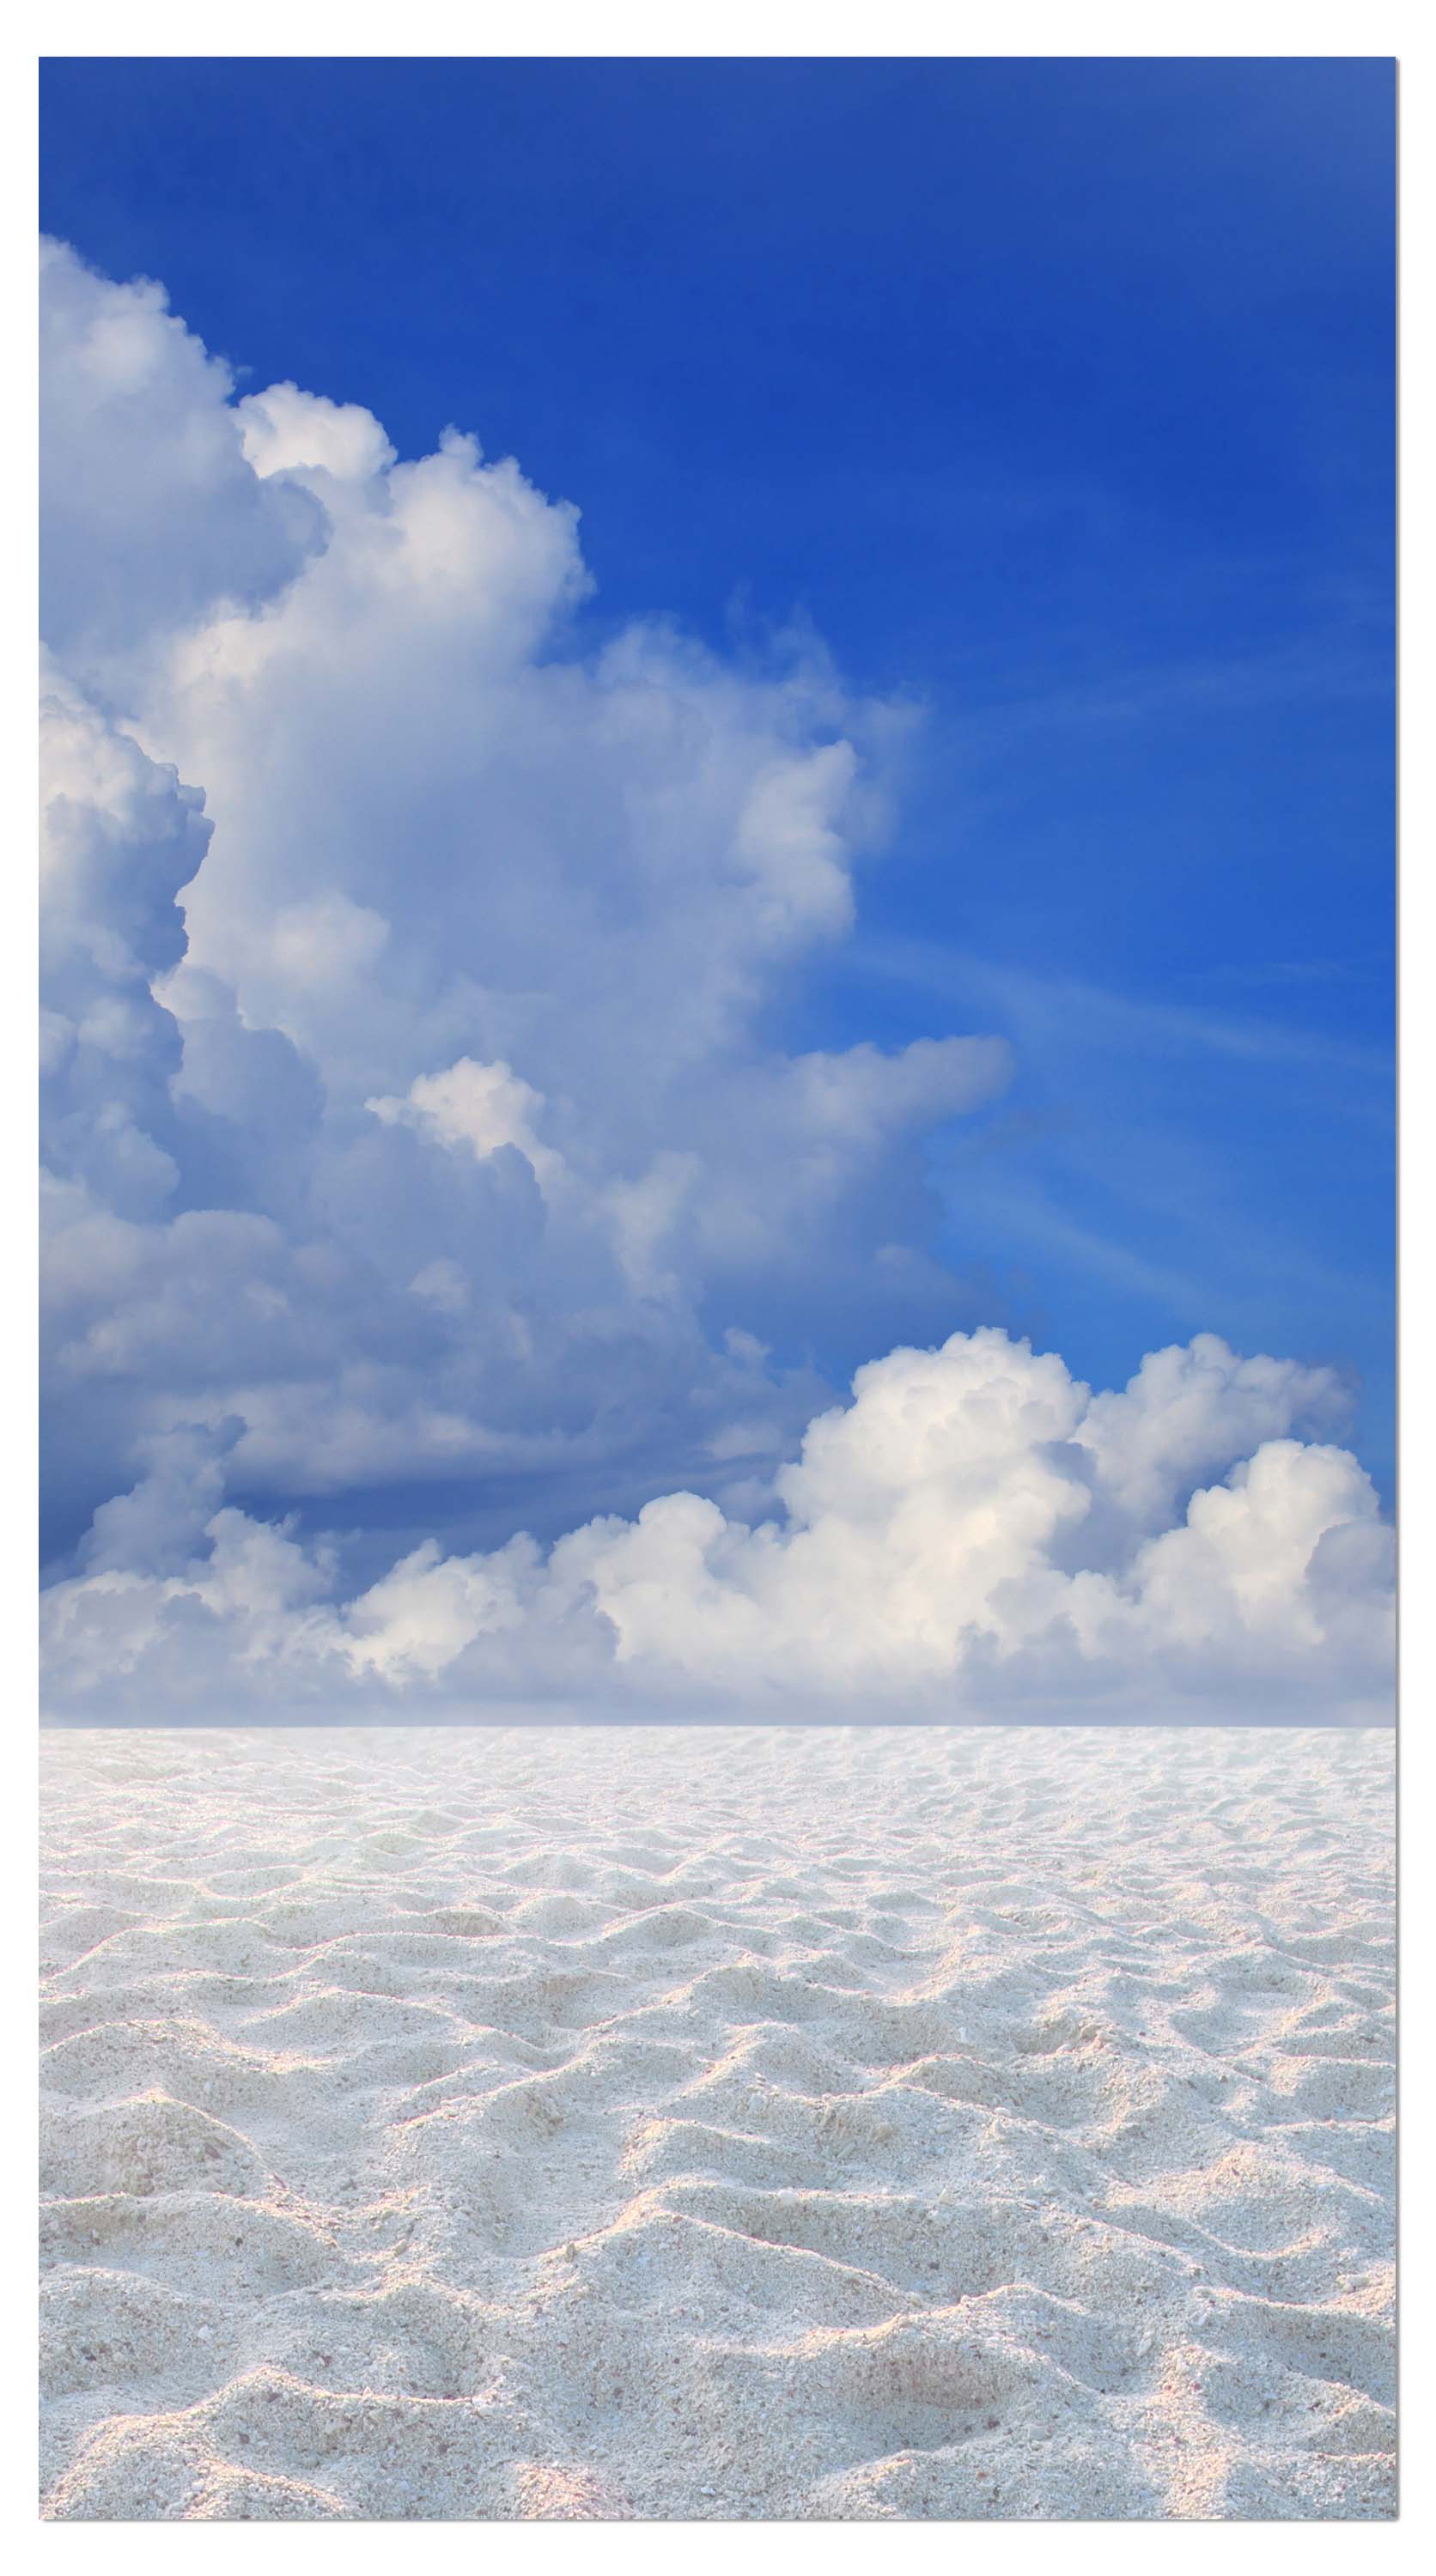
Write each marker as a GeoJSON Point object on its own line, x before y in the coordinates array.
{"type": "Point", "coordinates": [718, 2122]}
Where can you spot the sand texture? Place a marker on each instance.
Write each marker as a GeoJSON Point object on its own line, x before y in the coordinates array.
{"type": "Point", "coordinates": [718, 2123]}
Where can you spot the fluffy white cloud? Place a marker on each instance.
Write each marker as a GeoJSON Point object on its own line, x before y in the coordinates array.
{"type": "Point", "coordinates": [479, 1108]}
{"type": "Point", "coordinates": [410, 973]}
{"type": "Point", "coordinates": [927, 1560]}
{"type": "Point", "coordinates": [149, 512]}
{"type": "Point", "coordinates": [419, 1155]}
{"type": "Point", "coordinates": [1188, 1410]}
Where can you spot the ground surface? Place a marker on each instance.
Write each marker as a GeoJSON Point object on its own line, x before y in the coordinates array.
{"type": "Point", "coordinates": [718, 2122]}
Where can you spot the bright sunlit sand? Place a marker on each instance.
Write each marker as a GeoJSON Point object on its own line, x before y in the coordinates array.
{"type": "Point", "coordinates": [712, 2123]}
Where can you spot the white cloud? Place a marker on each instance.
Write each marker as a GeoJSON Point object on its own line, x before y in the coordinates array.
{"type": "Point", "coordinates": [149, 513]}
{"type": "Point", "coordinates": [419, 1155]}
{"type": "Point", "coordinates": [478, 1107]}
{"type": "Point", "coordinates": [284, 431]}
{"type": "Point", "coordinates": [410, 969]}
{"type": "Point", "coordinates": [1188, 1410]}
{"type": "Point", "coordinates": [864, 1094]}
{"type": "Point", "coordinates": [920, 1565]}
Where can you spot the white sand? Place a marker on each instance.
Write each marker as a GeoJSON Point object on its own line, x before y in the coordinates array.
{"type": "Point", "coordinates": [718, 2123]}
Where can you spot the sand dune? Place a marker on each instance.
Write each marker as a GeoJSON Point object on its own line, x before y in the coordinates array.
{"type": "Point", "coordinates": [706, 2122]}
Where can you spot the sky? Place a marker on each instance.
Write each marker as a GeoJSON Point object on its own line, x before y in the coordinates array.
{"type": "Point", "coordinates": [872, 837]}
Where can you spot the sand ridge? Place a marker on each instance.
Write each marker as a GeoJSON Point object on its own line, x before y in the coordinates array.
{"type": "Point", "coordinates": [717, 2122]}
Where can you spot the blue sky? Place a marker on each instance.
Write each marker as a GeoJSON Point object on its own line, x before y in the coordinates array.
{"type": "Point", "coordinates": [874, 836]}
{"type": "Point", "coordinates": [1058, 396]}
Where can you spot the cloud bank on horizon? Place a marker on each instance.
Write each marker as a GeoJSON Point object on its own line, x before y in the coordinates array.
{"type": "Point", "coordinates": [415, 1128]}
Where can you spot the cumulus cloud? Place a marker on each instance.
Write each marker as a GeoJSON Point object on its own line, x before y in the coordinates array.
{"type": "Point", "coordinates": [926, 1559]}
{"type": "Point", "coordinates": [410, 977]}
{"type": "Point", "coordinates": [422, 1164]}
{"type": "Point", "coordinates": [1188, 1410]}
{"type": "Point", "coordinates": [479, 1108]}
{"type": "Point", "coordinates": [149, 513]}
